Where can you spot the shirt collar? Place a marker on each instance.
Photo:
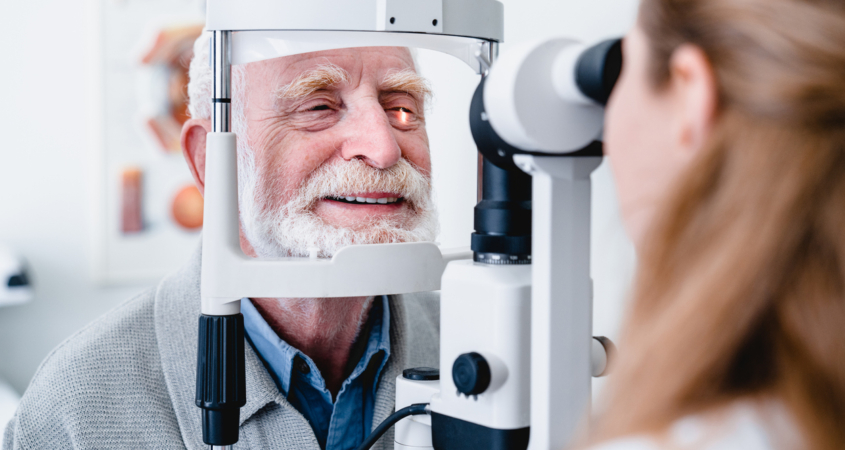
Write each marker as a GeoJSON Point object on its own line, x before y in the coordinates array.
{"type": "Point", "coordinates": [279, 357]}
{"type": "Point", "coordinates": [277, 354]}
{"type": "Point", "coordinates": [378, 340]}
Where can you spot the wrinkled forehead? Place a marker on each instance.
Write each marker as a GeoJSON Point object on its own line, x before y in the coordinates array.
{"type": "Point", "coordinates": [360, 64]}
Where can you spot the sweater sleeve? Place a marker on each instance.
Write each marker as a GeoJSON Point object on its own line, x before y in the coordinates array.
{"type": "Point", "coordinates": [31, 429]}
{"type": "Point", "coordinates": [9, 435]}
{"type": "Point", "coordinates": [101, 388]}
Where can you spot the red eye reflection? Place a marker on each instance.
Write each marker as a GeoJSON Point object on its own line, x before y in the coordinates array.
{"type": "Point", "coordinates": [401, 117]}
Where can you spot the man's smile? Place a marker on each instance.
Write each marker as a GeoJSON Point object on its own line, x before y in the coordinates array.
{"type": "Point", "coordinates": [359, 207]}
{"type": "Point", "coordinates": [369, 198]}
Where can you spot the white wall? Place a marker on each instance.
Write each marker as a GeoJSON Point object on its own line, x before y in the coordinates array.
{"type": "Point", "coordinates": [46, 203]}
{"type": "Point", "coordinates": [45, 177]}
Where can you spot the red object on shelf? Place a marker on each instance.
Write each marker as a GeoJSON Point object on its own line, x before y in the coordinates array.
{"type": "Point", "coordinates": [187, 208]}
{"type": "Point", "coordinates": [131, 207]}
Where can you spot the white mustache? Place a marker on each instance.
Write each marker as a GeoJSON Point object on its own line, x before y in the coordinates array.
{"type": "Point", "coordinates": [341, 179]}
{"type": "Point", "coordinates": [292, 229]}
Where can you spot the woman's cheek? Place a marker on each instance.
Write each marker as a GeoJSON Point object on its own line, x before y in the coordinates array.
{"type": "Point", "coordinates": [615, 126]}
{"type": "Point", "coordinates": [622, 146]}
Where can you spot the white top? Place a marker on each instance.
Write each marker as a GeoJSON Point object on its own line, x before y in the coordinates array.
{"type": "Point", "coordinates": [479, 19]}
{"type": "Point", "coordinates": [741, 426]}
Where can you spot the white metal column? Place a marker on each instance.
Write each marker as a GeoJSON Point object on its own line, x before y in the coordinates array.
{"type": "Point", "coordinates": [562, 304]}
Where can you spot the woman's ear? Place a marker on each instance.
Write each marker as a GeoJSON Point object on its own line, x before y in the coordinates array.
{"type": "Point", "coordinates": [695, 96]}
{"type": "Point", "coordinates": [193, 148]}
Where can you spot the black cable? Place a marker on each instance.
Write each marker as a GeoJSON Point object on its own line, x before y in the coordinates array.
{"type": "Point", "coordinates": [413, 410]}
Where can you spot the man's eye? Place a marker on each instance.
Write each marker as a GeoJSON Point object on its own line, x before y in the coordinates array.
{"type": "Point", "coordinates": [402, 115]}
{"type": "Point", "coordinates": [320, 108]}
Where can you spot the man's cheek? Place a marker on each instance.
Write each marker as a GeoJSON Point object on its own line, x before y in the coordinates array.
{"type": "Point", "coordinates": [305, 152]}
{"type": "Point", "coordinates": [278, 186]}
{"type": "Point", "coordinates": [415, 149]}
{"type": "Point", "coordinates": [296, 162]}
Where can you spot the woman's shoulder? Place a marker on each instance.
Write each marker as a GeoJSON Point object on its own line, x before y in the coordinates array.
{"type": "Point", "coordinates": [746, 425]}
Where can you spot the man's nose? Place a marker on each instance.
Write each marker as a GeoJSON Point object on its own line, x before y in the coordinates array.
{"type": "Point", "coordinates": [369, 136]}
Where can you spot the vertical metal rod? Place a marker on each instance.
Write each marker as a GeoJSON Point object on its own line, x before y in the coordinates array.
{"type": "Point", "coordinates": [221, 63]}
{"type": "Point", "coordinates": [221, 120]}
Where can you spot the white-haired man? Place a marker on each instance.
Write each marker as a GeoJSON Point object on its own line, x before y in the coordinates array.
{"type": "Point", "coordinates": [332, 151]}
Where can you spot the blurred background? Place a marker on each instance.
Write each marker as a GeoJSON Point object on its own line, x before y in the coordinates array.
{"type": "Point", "coordinates": [96, 203]}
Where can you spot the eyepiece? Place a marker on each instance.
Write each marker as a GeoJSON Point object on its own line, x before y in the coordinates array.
{"type": "Point", "coordinates": [598, 69]}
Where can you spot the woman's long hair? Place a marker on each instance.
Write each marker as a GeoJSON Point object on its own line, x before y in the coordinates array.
{"type": "Point", "coordinates": [740, 291]}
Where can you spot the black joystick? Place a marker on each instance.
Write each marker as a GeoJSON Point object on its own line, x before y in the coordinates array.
{"type": "Point", "coordinates": [471, 374]}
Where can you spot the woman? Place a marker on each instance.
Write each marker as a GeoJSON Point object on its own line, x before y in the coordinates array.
{"type": "Point", "coordinates": [726, 134]}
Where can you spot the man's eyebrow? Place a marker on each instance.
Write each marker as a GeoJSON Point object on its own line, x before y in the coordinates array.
{"type": "Point", "coordinates": [408, 81]}
{"type": "Point", "coordinates": [308, 82]}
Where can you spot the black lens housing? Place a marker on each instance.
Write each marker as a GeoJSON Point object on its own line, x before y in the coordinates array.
{"type": "Point", "coordinates": [598, 69]}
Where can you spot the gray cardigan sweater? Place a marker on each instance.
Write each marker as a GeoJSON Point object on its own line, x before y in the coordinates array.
{"type": "Point", "coordinates": [127, 381]}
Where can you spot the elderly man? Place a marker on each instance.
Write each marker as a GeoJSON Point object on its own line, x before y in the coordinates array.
{"type": "Point", "coordinates": [332, 151]}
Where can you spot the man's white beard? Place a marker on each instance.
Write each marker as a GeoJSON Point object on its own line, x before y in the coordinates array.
{"type": "Point", "coordinates": [293, 229]}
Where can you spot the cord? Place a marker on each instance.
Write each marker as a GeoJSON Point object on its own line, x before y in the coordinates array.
{"type": "Point", "coordinates": [413, 410]}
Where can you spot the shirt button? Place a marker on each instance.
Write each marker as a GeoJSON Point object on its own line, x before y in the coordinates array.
{"type": "Point", "coordinates": [302, 366]}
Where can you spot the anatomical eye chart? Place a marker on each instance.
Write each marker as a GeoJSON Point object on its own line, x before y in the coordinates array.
{"type": "Point", "coordinates": [148, 211]}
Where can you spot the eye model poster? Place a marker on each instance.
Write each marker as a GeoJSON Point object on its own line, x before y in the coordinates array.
{"type": "Point", "coordinates": [149, 213]}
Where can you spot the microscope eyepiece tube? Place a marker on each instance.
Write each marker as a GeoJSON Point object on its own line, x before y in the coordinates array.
{"type": "Point", "coordinates": [547, 97]}
{"type": "Point", "coordinates": [598, 69]}
{"type": "Point", "coordinates": [503, 217]}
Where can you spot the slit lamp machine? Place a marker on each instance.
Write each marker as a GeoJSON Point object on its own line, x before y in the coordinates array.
{"type": "Point", "coordinates": [516, 348]}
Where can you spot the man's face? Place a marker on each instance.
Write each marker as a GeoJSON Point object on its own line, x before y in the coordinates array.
{"type": "Point", "coordinates": [340, 151]}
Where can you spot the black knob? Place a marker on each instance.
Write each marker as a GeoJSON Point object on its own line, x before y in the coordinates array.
{"type": "Point", "coordinates": [471, 374]}
{"type": "Point", "coordinates": [421, 374]}
{"type": "Point", "coordinates": [221, 391]}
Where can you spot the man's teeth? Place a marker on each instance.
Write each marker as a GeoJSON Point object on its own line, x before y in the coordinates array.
{"type": "Point", "coordinates": [382, 201]}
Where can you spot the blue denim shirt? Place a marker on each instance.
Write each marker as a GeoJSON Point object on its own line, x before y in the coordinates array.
{"type": "Point", "coordinates": [341, 425]}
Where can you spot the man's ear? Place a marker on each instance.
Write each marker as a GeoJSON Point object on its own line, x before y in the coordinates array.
{"type": "Point", "coordinates": [696, 97]}
{"type": "Point", "coordinates": [193, 148]}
